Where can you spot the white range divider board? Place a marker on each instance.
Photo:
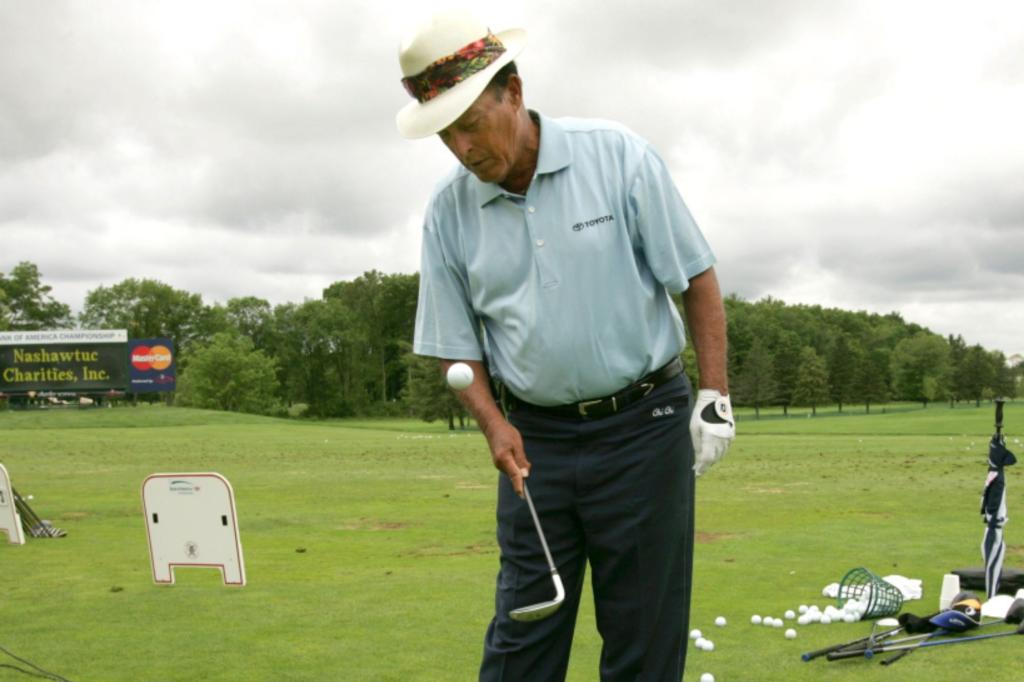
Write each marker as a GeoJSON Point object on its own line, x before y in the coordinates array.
{"type": "Point", "coordinates": [10, 519]}
{"type": "Point", "coordinates": [191, 521]}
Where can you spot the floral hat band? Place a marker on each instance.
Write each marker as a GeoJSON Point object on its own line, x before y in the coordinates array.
{"type": "Point", "coordinates": [450, 70]}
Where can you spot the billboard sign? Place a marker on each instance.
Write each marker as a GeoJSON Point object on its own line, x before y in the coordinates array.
{"type": "Point", "coordinates": [151, 365]}
{"type": "Point", "coordinates": [71, 360]}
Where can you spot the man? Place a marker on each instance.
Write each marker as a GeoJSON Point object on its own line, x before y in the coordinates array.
{"type": "Point", "coordinates": [548, 259]}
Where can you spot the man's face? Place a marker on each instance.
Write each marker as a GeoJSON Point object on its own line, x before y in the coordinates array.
{"type": "Point", "coordinates": [484, 138]}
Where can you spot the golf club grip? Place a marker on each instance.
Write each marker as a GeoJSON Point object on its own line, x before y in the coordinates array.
{"type": "Point", "coordinates": [846, 653]}
{"type": "Point", "coordinates": [811, 655]}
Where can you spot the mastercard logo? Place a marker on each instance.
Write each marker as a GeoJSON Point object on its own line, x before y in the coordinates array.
{"type": "Point", "coordinates": [157, 357]}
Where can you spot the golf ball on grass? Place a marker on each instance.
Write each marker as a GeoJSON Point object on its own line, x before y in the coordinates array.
{"type": "Point", "coordinates": [696, 634]}
{"type": "Point", "coordinates": [790, 633]}
{"type": "Point", "coordinates": [707, 677]}
{"type": "Point", "coordinates": [704, 644]}
{"type": "Point", "coordinates": [755, 620]}
{"type": "Point", "coordinates": [790, 615]}
{"type": "Point", "coordinates": [720, 621]}
{"type": "Point", "coordinates": [460, 376]}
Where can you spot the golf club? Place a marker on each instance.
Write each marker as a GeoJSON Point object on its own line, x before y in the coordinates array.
{"type": "Point", "coordinates": [999, 415]}
{"type": "Point", "coordinates": [856, 647]}
{"type": "Point", "coordinates": [954, 640]}
{"type": "Point", "coordinates": [1014, 616]}
{"type": "Point", "coordinates": [545, 608]}
{"type": "Point", "coordinates": [858, 644]}
{"type": "Point", "coordinates": [947, 622]}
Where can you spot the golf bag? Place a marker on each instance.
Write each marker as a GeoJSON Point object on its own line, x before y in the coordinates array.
{"type": "Point", "coordinates": [1010, 579]}
{"type": "Point", "coordinates": [30, 521]}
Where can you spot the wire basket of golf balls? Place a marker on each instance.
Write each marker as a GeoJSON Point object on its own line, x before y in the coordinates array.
{"type": "Point", "coordinates": [871, 595]}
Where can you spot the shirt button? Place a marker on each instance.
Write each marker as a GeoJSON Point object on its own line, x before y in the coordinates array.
{"type": "Point", "coordinates": [540, 242]}
{"type": "Point", "coordinates": [532, 209]}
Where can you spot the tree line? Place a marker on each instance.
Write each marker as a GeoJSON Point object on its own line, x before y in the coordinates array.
{"type": "Point", "coordinates": [349, 352]}
{"type": "Point", "coordinates": [803, 355]}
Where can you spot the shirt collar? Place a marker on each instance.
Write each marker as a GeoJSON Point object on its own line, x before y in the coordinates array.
{"type": "Point", "coordinates": [554, 155]}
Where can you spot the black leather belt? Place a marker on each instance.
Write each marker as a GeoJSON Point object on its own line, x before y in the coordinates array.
{"type": "Point", "coordinates": [603, 407]}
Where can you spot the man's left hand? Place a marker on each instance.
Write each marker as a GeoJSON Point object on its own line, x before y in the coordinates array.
{"type": "Point", "coordinates": [712, 428]}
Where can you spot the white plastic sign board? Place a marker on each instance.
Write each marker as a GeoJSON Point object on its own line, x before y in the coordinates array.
{"type": "Point", "coordinates": [10, 520]}
{"type": "Point", "coordinates": [191, 521]}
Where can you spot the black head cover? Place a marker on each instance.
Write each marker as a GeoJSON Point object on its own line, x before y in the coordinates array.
{"type": "Point", "coordinates": [998, 455]}
{"type": "Point", "coordinates": [964, 614]}
{"type": "Point", "coordinates": [1015, 614]}
{"type": "Point", "coordinates": [916, 624]}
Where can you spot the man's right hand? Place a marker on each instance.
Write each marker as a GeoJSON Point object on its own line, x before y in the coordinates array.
{"type": "Point", "coordinates": [507, 452]}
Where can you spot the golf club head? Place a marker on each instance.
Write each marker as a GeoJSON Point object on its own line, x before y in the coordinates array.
{"type": "Point", "coordinates": [954, 621]}
{"type": "Point", "coordinates": [962, 596]}
{"type": "Point", "coordinates": [542, 609]}
{"type": "Point", "coordinates": [1015, 614]}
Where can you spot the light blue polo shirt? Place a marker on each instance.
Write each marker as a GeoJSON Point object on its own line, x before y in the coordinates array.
{"type": "Point", "coordinates": [566, 290]}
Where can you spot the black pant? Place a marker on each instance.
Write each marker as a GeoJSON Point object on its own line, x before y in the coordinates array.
{"type": "Point", "coordinates": [617, 493]}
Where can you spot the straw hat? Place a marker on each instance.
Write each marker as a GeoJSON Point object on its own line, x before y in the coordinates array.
{"type": "Point", "coordinates": [446, 63]}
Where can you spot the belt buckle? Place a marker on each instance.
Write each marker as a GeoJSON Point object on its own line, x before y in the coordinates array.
{"type": "Point", "coordinates": [582, 406]}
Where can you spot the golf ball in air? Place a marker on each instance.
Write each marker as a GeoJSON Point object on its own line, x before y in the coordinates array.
{"type": "Point", "coordinates": [791, 634]}
{"type": "Point", "coordinates": [720, 621]}
{"type": "Point", "coordinates": [460, 376]}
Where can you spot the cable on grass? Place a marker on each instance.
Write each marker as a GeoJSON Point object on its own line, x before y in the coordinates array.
{"type": "Point", "coordinates": [46, 675]}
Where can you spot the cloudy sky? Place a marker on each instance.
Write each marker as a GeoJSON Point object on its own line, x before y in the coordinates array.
{"type": "Point", "coordinates": [867, 155]}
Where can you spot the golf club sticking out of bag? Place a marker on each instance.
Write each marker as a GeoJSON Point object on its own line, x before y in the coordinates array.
{"type": "Point", "coordinates": [545, 608]}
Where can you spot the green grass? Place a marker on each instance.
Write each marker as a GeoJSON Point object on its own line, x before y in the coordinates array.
{"type": "Point", "coordinates": [397, 522]}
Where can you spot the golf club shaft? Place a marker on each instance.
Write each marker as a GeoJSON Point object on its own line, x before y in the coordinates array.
{"type": "Point", "coordinates": [837, 655]}
{"type": "Point", "coordinates": [911, 648]}
{"type": "Point", "coordinates": [916, 638]}
{"type": "Point", "coordinates": [811, 655]}
{"type": "Point", "coordinates": [26, 511]}
{"type": "Point", "coordinates": [540, 532]}
{"type": "Point", "coordinates": [999, 415]}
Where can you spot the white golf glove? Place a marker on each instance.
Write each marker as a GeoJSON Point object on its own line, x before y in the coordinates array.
{"type": "Point", "coordinates": [712, 428]}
